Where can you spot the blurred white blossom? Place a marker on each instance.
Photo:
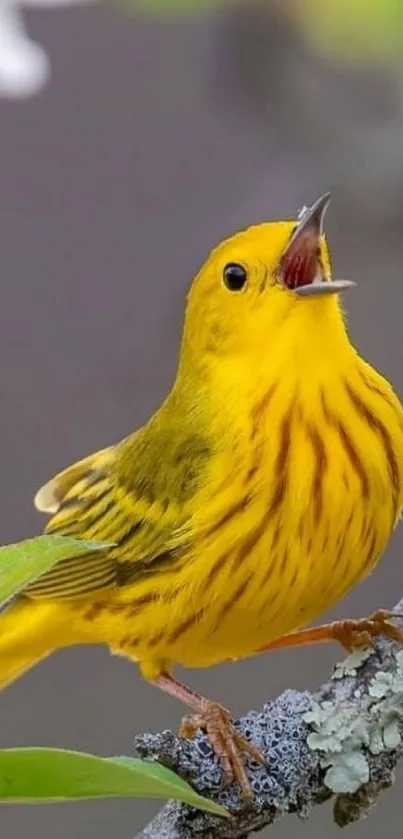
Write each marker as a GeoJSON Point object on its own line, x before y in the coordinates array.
{"type": "Point", "coordinates": [24, 65]}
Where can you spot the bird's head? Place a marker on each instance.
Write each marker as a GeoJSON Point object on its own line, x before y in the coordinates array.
{"type": "Point", "coordinates": [264, 287]}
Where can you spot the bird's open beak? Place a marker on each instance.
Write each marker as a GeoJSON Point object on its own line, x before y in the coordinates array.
{"type": "Point", "coordinates": [301, 268]}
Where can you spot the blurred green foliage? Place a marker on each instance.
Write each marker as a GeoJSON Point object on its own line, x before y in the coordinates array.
{"type": "Point", "coordinates": [353, 30]}
{"type": "Point", "coordinates": [346, 30]}
{"type": "Point", "coordinates": [173, 6]}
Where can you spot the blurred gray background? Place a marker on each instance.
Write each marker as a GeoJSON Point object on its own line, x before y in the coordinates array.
{"type": "Point", "coordinates": [156, 137]}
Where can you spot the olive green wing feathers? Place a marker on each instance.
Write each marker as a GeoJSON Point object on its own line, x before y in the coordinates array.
{"type": "Point", "coordinates": [89, 500]}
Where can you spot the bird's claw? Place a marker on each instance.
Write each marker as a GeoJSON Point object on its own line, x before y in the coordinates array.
{"type": "Point", "coordinates": [361, 633]}
{"type": "Point", "coordinates": [228, 744]}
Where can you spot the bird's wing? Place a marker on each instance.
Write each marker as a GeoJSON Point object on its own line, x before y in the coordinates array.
{"type": "Point", "coordinates": [51, 495]}
{"type": "Point", "coordinates": [87, 501]}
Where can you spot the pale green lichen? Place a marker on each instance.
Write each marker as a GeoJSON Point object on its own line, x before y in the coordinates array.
{"type": "Point", "coordinates": [335, 724]}
{"type": "Point", "coordinates": [351, 664]}
{"type": "Point", "coordinates": [391, 734]}
{"type": "Point", "coordinates": [381, 685]}
{"type": "Point", "coordinates": [340, 731]}
{"type": "Point", "coordinates": [343, 732]}
{"type": "Point", "coordinates": [350, 772]}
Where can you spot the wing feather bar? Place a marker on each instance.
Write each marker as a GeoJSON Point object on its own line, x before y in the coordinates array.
{"type": "Point", "coordinates": [75, 577]}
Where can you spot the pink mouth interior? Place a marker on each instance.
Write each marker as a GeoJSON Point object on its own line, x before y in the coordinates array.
{"type": "Point", "coordinates": [301, 263]}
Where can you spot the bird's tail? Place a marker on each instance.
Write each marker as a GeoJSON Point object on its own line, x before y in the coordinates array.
{"type": "Point", "coordinates": [29, 632]}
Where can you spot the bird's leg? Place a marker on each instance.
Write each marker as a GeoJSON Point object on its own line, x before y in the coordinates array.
{"type": "Point", "coordinates": [227, 743]}
{"type": "Point", "coordinates": [352, 634]}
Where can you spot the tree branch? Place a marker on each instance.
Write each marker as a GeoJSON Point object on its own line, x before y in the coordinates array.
{"type": "Point", "coordinates": [342, 741]}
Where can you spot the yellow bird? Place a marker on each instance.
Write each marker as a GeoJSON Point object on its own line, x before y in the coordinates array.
{"type": "Point", "coordinates": [264, 488]}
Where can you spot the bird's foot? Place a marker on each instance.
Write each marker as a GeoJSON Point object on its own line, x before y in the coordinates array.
{"type": "Point", "coordinates": [361, 633]}
{"type": "Point", "coordinates": [353, 634]}
{"type": "Point", "coordinates": [229, 745]}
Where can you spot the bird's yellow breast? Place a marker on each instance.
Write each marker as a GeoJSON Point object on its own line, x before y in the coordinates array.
{"type": "Point", "coordinates": [296, 510]}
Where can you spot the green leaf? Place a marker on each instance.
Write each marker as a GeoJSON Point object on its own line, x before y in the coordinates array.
{"type": "Point", "coordinates": [23, 562]}
{"type": "Point", "coordinates": [37, 776]}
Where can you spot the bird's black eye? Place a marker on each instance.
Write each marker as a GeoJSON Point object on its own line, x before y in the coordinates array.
{"type": "Point", "coordinates": [234, 276]}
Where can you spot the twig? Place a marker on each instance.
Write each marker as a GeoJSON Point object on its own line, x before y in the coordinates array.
{"type": "Point", "coordinates": [343, 741]}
